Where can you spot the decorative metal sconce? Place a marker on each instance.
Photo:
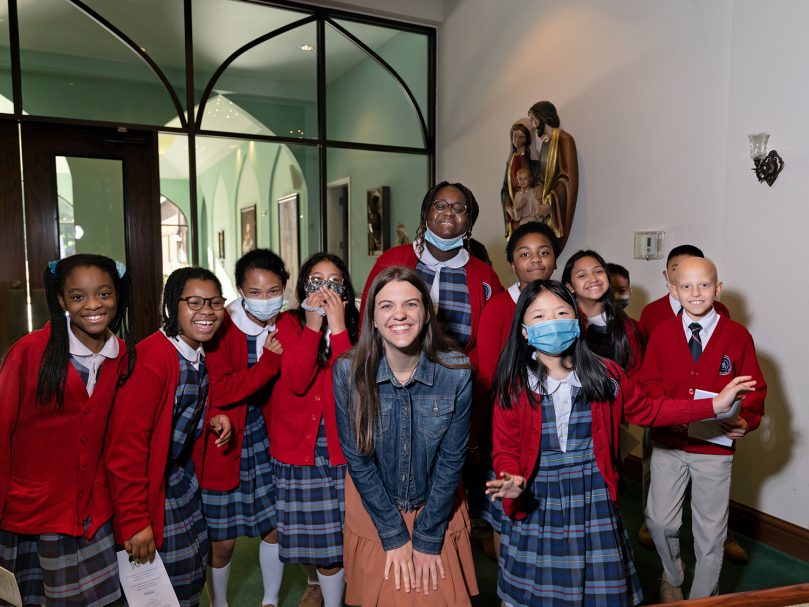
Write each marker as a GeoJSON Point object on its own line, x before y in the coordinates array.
{"type": "Point", "coordinates": [768, 166]}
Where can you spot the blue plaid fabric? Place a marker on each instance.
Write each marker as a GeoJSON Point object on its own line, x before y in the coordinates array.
{"type": "Point", "coordinates": [454, 307]}
{"type": "Point", "coordinates": [55, 569]}
{"type": "Point", "coordinates": [572, 549]}
{"type": "Point", "coordinates": [185, 534]}
{"type": "Point", "coordinates": [311, 509]}
{"type": "Point", "coordinates": [83, 371]}
{"type": "Point", "coordinates": [249, 509]}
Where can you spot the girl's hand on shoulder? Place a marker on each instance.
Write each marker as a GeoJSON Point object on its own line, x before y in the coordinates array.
{"type": "Point", "coordinates": [141, 547]}
{"type": "Point", "coordinates": [428, 567]}
{"type": "Point", "coordinates": [734, 388]}
{"type": "Point", "coordinates": [506, 487]}
{"type": "Point", "coordinates": [404, 573]}
{"type": "Point", "coordinates": [272, 344]}
{"type": "Point", "coordinates": [221, 425]}
{"type": "Point", "coordinates": [314, 320]}
{"type": "Point", "coordinates": [335, 310]}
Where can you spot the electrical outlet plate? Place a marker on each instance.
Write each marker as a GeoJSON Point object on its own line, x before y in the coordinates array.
{"type": "Point", "coordinates": [649, 245]}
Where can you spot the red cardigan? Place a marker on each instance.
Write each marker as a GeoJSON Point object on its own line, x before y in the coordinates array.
{"type": "Point", "coordinates": [495, 324]}
{"type": "Point", "coordinates": [517, 431]}
{"type": "Point", "coordinates": [660, 311]}
{"type": "Point", "coordinates": [481, 279]}
{"type": "Point", "coordinates": [52, 476]}
{"type": "Point", "coordinates": [303, 395]}
{"type": "Point", "coordinates": [138, 438]}
{"type": "Point", "coordinates": [669, 370]}
{"type": "Point", "coordinates": [232, 383]}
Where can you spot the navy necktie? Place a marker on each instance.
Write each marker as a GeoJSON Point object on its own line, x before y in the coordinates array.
{"type": "Point", "coordinates": [695, 343]}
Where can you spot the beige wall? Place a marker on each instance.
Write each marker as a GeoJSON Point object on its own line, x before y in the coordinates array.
{"type": "Point", "coordinates": [660, 96]}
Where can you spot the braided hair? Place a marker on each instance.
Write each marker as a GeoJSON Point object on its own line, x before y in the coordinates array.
{"type": "Point", "coordinates": [53, 367]}
{"type": "Point", "coordinates": [427, 202]}
{"type": "Point", "coordinates": [174, 289]}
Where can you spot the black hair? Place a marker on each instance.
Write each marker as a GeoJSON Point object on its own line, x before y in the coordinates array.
{"type": "Point", "coordinates": [352, 314]}
{"type": "Point", "coordinates": [532, 227]}
{"type": "Point", "coordinates": [615, 343]}
{"type": "Point", "coordinates": [53, 367]}
{"type": "Point", "coordinates": [471, 203]}
{"type": "Point", "coordinates": [478, 249]}
{"type": "Point", "coordinates": [546, 111]}
{"type": "Point", "coordinates": [613, 269]}
{"type": "Point", "coordinates": [174, 288]}
{"type": "Point", "coordinates": [261, 259]}
{"type": "Point", "coordinates": [511, 379]}
{"type": "Point", "coordinates": [684, 249]}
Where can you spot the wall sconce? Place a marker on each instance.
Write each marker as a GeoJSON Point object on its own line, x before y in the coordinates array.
{"type": "Point", "coordinates": [768, 166]}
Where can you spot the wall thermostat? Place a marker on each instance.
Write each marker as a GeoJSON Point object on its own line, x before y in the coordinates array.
{"type": "Point", "coordinates": [649, 245]}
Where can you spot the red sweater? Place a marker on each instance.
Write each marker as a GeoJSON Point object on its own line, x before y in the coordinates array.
{"type": "Point", "coordinates": [232, 383]}
{"type": "Point", "coordinates": [481, 279]}
{"type": "Point", "coordinates": [138, 438]}
{"type": "Point", "coordinates": [52, 476]}
{"type": "Point", "coordinates": [517, 431]}
{"type": "Point", "coordinates": [660, 311]}
{"type": "Point", "coordinates": [495, 324]}
{"type": "Point", "coordinates": [303, 395]}
{"type": "Point", "coordinates": [669, 370]}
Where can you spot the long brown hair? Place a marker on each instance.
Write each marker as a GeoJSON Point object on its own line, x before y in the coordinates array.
{"type": "Point", "coordinates": [365, 356]}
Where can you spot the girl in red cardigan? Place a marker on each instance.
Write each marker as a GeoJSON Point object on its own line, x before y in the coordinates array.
{"type": "Point", "coordinates": [555, 425]}
{"type": "Point", "coordinates": [151, 451]}
{"type": "Point", "coordinates": [308, 464]}
{"type": "Point", "coordinates": [238, 490]}
{"type": "Point", "coordinates": [57, 386]}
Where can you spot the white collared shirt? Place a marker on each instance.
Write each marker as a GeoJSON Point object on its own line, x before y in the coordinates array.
{"type": "Point", "coordinates": [561, 393]}
{"type": "Point", "coordinates": [459, 261]}
{"type": "Point", "coordinates": [708, 324]}
{"type": "Point", "coordinates": [514, 291]}
{"type": "Point", "coordinates": [248, 326]}
{"type": "Point", "coordinates": [675, 304]}
{"type": "Point", "coordinates": [187, 352]}
{"type": "Point", "coordinates": [599, 320]}
{"type": "Point", "coordinates": [88, 358]}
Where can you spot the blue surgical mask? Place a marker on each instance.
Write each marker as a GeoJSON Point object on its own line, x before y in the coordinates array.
{"type": "Point", "coordinates": [553, 336]}
{"type": "Point", "coordinates": [445, 244]}
{"type": "Point", "coordinates": [263, 309]}
{"type": "Point", "coordinates": [622, 303]}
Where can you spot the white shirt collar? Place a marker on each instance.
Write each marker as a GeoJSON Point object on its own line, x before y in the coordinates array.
{"type": "Point", "coordinates": [707, 322]}
{"type": "Point", "coordinates": [194, 356]}
{"type": "Point", "coordinates": [460, 260]}
{"type": "Point", "coordinates": [246, 324]}
{"type": "Point", "coordinates": [675, 304]}
{"type": "Point", "coordinates": [110, 349]}
{"type": "Point", "coordinates": [551, 385]}
{"type": "Point", "coordinates": [599, 320]}
{"type": "Point", "coordinates": [514, 291]}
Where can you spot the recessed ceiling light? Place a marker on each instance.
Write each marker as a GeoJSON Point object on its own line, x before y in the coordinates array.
{"type": "Point", "coordinates": [307, 47]}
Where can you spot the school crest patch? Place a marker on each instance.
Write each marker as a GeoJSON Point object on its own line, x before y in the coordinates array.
{"type": "Point", "coordinates": [726, 367]}
{"type": "Point", "coordinates": [487, 291]}
{"type": "Point", "coordinates": [615, 386]}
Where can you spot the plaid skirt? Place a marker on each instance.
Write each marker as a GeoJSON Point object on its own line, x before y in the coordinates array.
{"type": "Point", "coordinates": [185, 534]}
{"type": "Point", "coordinates": [56, 569]}
{"type": "Point", "coordinates": [310, 509]}
{"type": "Point", "coordinates": [572, 549]}
{"type": "Point", "coordinates": [249, 509]}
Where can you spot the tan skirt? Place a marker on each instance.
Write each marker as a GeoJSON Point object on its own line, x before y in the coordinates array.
{"type": "Point", "coordinates": [364, 560]}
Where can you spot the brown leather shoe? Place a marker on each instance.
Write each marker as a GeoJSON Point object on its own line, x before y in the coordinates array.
{"type": "Point", "coordinates": [735, 553]}
{"type": "Point", "coordinates": [313, 597]}
{"type": "Point", "coordinates": [669, 593]}
{"type": "Point", "coordinates": [645, 538]}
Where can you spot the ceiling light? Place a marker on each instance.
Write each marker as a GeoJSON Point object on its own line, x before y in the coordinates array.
{"type": "Point", "coordinates": [307, 47]}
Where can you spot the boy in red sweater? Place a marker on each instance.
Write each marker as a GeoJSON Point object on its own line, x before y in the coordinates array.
{"type": "Point", "coordinates": [698, 350]}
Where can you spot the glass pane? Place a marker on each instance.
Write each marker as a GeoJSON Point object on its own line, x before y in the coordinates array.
{"type": "Point", "coordinates": [249, 194]}
{"type": "Point", "coordinates": [173, 236]}
{"type": "Point", "coordinates": [226, 26]}
{"type": "Point", "coordinates": [175, 201]}
{"type": "Point", "coordinates": [363, 102]}
{"type": "Point", "coordinates": [6, 94]}
{"type": "Point", "coordinates": [405, 52]}
{"type": "Point", "coordinates": [74, 68]}
{"type": "Point", "coordinates": [367, 173]}
{"type": "Point", "coordinates": [91, 206]}
{"type": "Point", "coordinates": [270, 90]}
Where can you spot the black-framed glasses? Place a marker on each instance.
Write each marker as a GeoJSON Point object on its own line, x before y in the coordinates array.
{"type": "Point", "coordinates": [195, 302]}
{"type": "Point", "coordinates": [458, 208]}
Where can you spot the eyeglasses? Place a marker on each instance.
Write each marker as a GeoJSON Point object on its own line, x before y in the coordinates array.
{"type": "Point", "coordinates": [458, 208]}
{"type": "Point", "coordinates": [195, 302]}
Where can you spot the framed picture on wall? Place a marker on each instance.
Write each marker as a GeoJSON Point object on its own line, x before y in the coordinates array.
{"type": "Point", "coordinates": [377, 208]}
{"type": "Point", "coordinates": [248, 229]}
{"type": "Point", "coordinates": [288, 237]}
{"type": "Point", "coordinates": [221, 244]}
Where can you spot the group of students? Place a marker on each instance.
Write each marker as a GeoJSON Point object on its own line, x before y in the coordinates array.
{"type": "Point", "coordinates": [339, 436]}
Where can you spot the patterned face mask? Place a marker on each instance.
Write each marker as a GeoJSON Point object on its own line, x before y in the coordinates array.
{"type": "Point", "coordinates": [335, 284]}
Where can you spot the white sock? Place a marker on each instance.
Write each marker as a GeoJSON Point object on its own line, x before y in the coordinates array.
{"type": "Point", "coordinates": [332, 587]}
{"type": "Point", "coordinates": [272, 572]}
{"type": "Point", "coordinates": [311, 574]}
{"type": "Point", "coordinates": [219, 585]}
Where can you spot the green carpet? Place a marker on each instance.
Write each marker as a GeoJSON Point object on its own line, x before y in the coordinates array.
{"type": "Point", "coordinates": [767, 567]}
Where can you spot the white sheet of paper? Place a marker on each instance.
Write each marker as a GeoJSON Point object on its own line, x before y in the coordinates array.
{"type": "Point", "coordinates": [9, 591]}
{"type": "Point", "coordinates": [146, 585]}
{"type": "Point", "coordinates": [707, 429]}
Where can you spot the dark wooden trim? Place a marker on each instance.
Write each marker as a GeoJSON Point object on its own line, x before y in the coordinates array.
{"type": "Point", "coordinates": [785, 596]}
{"type": "Point", "coordinates": [762, 527]}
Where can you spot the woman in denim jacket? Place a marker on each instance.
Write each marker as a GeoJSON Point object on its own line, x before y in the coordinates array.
{"type": "Point", "coordinates": [404, 426]}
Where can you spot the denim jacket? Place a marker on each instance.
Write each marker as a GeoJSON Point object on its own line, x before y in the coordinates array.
{"type": "Point", "coordinates": [421, 439]}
